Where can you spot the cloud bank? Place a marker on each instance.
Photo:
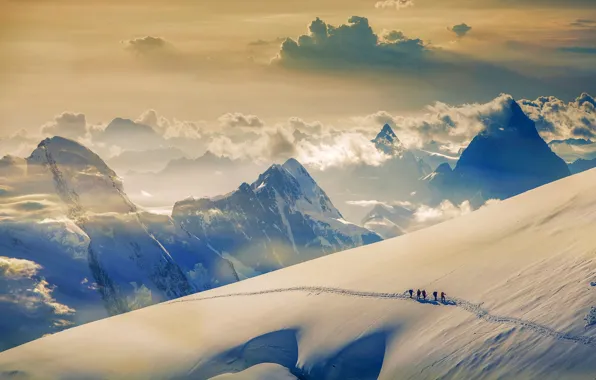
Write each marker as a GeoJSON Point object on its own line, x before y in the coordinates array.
{"type": "Point", "coordinates": [558, 120]}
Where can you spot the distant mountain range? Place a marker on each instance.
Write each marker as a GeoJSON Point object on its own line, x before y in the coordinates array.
{"type": "Point", "coordinates": [69, 230]}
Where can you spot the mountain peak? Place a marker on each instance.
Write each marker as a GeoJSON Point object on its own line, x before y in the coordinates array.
{"type": "Point", "coordinates": [387, 142]}
{"type": "Point", "coordinates": [507, 158]}
{"type": "Point", "coordinates": [512, 120]}
{"type": "Point", "coordinates": [292, 182]}
{"type": "Point", "coordinates": [83, 180]}
{"type": "Point", "coordinates": [295, 168]}
{"type": "Point", "coordinates": [387, 131]}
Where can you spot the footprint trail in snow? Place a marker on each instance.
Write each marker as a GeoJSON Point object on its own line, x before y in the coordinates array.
{"type": "Point", "coordinates": [470, 307]}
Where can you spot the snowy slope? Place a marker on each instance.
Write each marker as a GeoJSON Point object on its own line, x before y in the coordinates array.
{"type": "Point", "coordinates": [520, 278]}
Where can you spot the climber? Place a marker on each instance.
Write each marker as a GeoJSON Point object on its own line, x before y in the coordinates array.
{"type": "Point", "coordinates": [443, 297]}
{"type": "Point", "coordinates": [435, 294]}
{"type": "Point", "coordinates": [418, 294]}
{"type": "Point", "coordinates": [424, 294]}
{"type": "Point", "coordinates": [411, 291]}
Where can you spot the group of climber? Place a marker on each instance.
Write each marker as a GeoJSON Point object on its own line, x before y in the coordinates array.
{"type": "Point", "coordinates": [422, 295]}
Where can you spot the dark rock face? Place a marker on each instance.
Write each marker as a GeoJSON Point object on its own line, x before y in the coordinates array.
{"type": "Point", "coordinates": [506, 159]}
{"type": "Point", "coordinates": [281, 219]}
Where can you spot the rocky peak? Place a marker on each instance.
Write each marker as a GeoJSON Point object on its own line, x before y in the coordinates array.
{"type": "Point", "coordinates": [387, 142]}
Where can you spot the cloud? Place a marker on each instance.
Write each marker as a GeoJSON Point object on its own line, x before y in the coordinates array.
{"type": "Point", "coordinates": [319, 146]}
{"type": "Point", "coordinates": [366, 203]}
{"type": "Point", "coordinates": [68, 124]}
{"type": "Point", "coordinates": [343, 149]}
{"type": "Point", "coordinates": [171, 128]}
{"type": "Point", "coordinates": [396, 4]}
{"type": "Point", "coordinates": [20, 143]}
{"type": "Point", "coordinates": [445, 211]}
{"type": "Point", "coordinates": [315, 128]}
{"type": "Point", "coordinates": [461, 29]}
{"type": "Point", "coordinates": [37, 292]}
{"type": "Point", "coordinates": [269, 145]}
{"type": "Point", "coordinates": [145, 45]}
{"type": "Point", "coordinates": [17, 268]}
{"type": "Point", "coordinates": [393, 35]}
{"type": "Point", "coordinates": [353, 44]}
{"type": "Point", "coordinates": [444, 126]}
{"type": "Point", "coordinates": [558, 120]}
{"type": "Point", "coordinates": [237, 119]}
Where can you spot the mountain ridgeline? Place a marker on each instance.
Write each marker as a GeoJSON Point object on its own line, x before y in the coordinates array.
{"type": "Point", "coordinates": [70, 231]}
{"type": "Point", "coordinates": [281, 219]}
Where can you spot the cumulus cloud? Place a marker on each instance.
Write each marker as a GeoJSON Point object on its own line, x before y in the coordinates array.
{"type": "Point", "coordinates": [353, 44]}
{"type": "Point", "coordinates": [445, 211]}
{"type": "Point", "coordinates": [20, 143]}
{"type": "Point", "coordinates": [17, 268]}
{"type": "Point", "coordinates": [315, 128]}
{"type": "Point", "coordinates": [395, 4]}
{"type": "Point", "coordinates": [426, 216]}
{"type": "Point", "coordinates": [270, 145]}
{"type": "Point", "coordinates": [344, 149]}
{"type": "Point", "coordinates": [461, 29]}
{"type": "Point", "coordinates": [68, 124]}
{"type": "Point", "coordinates": [558, 120]}
{"type": "Point", "coordinates": [357, 53]}
{"type": "Point", "coordinates": [145, 45]}
{"type": "Point", "coordinates": [171, 128]}
{"type": "Point", "coordinates": [237, 119]}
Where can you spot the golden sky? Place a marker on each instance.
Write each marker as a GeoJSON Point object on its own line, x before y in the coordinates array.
{"type": "Point", "coordinates": [196, 60]}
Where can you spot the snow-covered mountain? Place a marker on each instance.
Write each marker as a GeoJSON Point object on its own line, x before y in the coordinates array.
{"type": "Point", "coordinates": [74, 248]}
{"type": "Point", "coordinates": [507, 158]}
{"type": "Point", "coordinates": [520, 278]}
{"type": "Point", "coordinates": [394, 179]}
{"type": "Point", "coordinates": [281, 219]}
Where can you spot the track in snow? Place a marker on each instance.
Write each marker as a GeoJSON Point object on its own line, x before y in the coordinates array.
{"type": "Point", "coordinates": [470, 307]}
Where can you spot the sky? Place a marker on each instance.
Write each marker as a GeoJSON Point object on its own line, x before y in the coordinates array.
{"type": "Point", "coordinates": [199, 60]}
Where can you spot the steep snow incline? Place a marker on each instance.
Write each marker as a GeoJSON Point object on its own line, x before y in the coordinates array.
{"type": "Point", "coordinates": [519, 277]}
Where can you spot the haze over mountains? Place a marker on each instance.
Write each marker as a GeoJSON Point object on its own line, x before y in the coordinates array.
{"type": "Point", "coordinates": [64, 211]}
